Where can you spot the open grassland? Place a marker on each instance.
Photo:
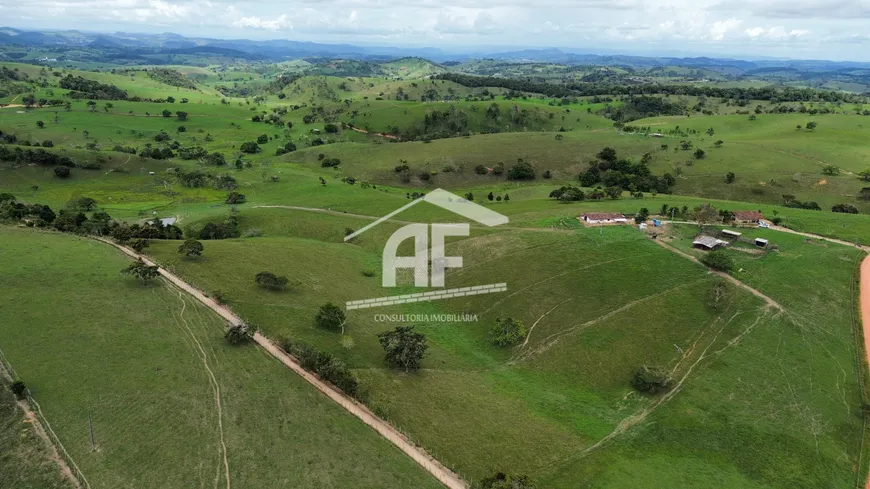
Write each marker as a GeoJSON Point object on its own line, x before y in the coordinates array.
{"type": "Point", "coordinates": [164, 390]}
{"type": "Point", "coordinates": [600, 305]}
{"type": "Point", "coordinates": [25, 458]}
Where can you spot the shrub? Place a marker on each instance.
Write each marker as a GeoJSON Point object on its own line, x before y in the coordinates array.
{"type": "Point", "coordinates": [262, 139]}
{"type": "Point", "coordinates": [19, 389]}
{"type": "Point", "coordinates": [521, 171]}
{"type": "Point", "coordinates": [250, 147]}
{"type": "Point", "coordinates": [235, 198]}
{"type": "Point", "coordinates": [718, 260]}
{"type": "Point", "coordinates": [651, 380]}
{"type": "Point", "coordinates": [480, 170]}
{"type": "Point", "coordinates": [845, 208]}
{"type": "Point", "coordinates": [62, 172]}
{"type": "Point", "coordinates": [271, 281]}
{"type": "Point", "coordinates": [239, 333]}
{"type": "Point", "coordinates": [507, 332]}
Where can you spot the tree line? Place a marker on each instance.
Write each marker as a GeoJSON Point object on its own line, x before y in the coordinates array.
{"type": "Point", "coordinates": [585, 89]}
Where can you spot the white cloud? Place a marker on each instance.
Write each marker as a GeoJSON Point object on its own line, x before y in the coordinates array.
{"type": "Point", "coordinates": [257, 23]}
{"type": "Point", "coordinates": [732, 27]}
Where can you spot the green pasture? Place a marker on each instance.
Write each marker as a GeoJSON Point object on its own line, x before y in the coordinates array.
{"type": "Point", "coordinates": [134, 358]}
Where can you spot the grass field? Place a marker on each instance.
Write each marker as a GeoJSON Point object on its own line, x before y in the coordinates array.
{"type": "Point", "coordinates": [137, 359]}
{"type": "Point", "coordinates": [601, 305]}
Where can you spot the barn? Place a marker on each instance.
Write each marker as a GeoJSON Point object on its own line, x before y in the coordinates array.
{"type": "Point", "coordinates": [708, 242]}
{"type": "Point", "coordinates": [603, 218]}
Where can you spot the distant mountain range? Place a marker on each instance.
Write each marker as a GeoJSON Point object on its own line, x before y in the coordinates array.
{"type": "Point", "coordinates": [280, 49]}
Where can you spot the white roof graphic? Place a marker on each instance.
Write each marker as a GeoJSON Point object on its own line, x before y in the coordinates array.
{"type": "Point", "coordinates": [448, 201]}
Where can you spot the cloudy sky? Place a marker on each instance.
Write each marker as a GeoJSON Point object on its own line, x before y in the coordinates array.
{"type": "Point", "coordinates": [806, 29]}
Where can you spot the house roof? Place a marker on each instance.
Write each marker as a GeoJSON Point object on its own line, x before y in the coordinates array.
{"type": "Point", "coordinates": [602, 216]}
{"type": "Point", "coordinates": [707, 241]}
{"type": "Point", "coordinates": [748, 215]}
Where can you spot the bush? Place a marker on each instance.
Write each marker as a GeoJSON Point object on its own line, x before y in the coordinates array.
{"type": "Point", "coordinates": [239, 333]}
{"type": "Point", "coordinates": [651, 380]}
{"type": "Point", "coordinates": [250, 147]}
{"type": "Point", "coordinates": [235, 198]}
{"type": "Point", "coordinates": [325, 366]}
{"type": "Point", "coordinates": [330, 128]}
{"type": "Point", "coordinates": [271, 281]}
{"type": "Point", "coordinates": [718, 260]}
{"type": "Point", "coordinates": [521, 171]}
{"type": "Point", "coordinates": [845, 208]}
{"type": "Point", "coordinates": [19, 389]}
{"type": "Point", "coordinates": [262, 139]}
{"type": "Point", "coordinates": [480, 170]}
{"type": "Point", "coordinates": [62, 172]}
{"type": "Point", "coordinates": [507, 332]}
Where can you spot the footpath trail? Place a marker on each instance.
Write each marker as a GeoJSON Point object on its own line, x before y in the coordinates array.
{"type": "Point", "coordinates": [865, 312]}
{"type": "Point", "coordinates": [417, 454]}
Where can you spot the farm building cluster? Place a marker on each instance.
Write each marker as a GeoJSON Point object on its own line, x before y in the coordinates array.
{"type": "Point", "coordinates": [726, 237]}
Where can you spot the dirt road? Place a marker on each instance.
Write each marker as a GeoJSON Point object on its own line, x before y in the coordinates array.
{"type": "Point", "coordinates": [757, 293]}
{"type": "Point", "coordinates": [420, 456]}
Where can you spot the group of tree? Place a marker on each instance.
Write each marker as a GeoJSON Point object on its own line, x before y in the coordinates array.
{"type": "Point", "coordinates": [606, 88]}
{"type": "Point", "coordinates": [81, 88]}
{"type": "Point", "coordinates": [611, 171]}
{"type": "Point", "coordinates": [789, 200]}
{"type": "Point", "coordinates": [197, 179]}
{"type": "Point", "coordinates": [154, 229]}
{"type": "Point", "coordinates": [237, 334]}
{"type": "Point", "coordinates": [651, 380]}
{"type": "Point", "coordinates": [325, 365]}
{"type": "Point", "coordinates": [227, 229]}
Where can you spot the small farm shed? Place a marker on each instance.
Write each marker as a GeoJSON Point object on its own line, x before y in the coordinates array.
{"type": "Point", "coordinates": [603, 218]}
{"type": "Point", "coordinates": [748, 217]}
{"type": "Point", "coordinates": [731, 234]}
{"type": "Point", "coordinates": [708, 242]}
{"type": "Point", "coordinates": [761, 242]}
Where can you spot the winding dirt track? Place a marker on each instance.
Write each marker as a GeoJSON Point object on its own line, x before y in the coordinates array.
{"type": "Point", "coordinates": [417, 454]}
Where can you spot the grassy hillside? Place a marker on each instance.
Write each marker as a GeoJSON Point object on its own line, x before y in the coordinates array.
{"type": "Point", "coordinates": [601, 305]}
{"type": "Point", "coordinates": [137, 358]}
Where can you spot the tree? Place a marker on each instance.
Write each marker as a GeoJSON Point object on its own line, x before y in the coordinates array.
{"type": "Point", "coordinates": [710, 132]}
{"type": "Point", "coordinates": [718, 260]}
{"type": "Point", "coordinates": [62, 172]}
{"type": "Point", "coordinates": [250, 147]}
{"type": "Point", "coordinates": [812, 125]}
{"type": "Point", "coordinates": [729, 177]}
{"type": "Point", "coordinates": [40, 124]}
{"type": "Point", "coordinates": [19, 389]}
{"type": "Point", "coordinates": [331, 316]}
{"type": "Point", "coordinates": [235, 198]}
{"type": "Point", "coordinates": [699, 154]}
{"type": "Point", "coordinates": [831, 170]}
{"type": "Point", "coordinates": [500, 480]}
{"type": "Point", "coordinates": [607, 154]}
{"type": "Point", "coordinates": [191, 248]}
{"type": "Point", "coordinates": [845, 208]}
{"type": "Point", "coordinates": [719, 143]}
{"type": "Point", "coordinates": [491, 197]}
{"type": "Point", "coordinates": [521, 171]}
{"type": "Point", "coordinates": [142, 271]}
{"type": "Point", "coordinates": [651, 380]}
{"type": "Point", "coordinates": [507, 332]}
{"type": "Point", "coordinates": [181, 115]}
{"type": "Point", "coordinates": [239, 333]}
{"type": "Point", "coordinates": [170, 99]}
{"type": "Point", "coordinates": [864, 194]}
{"type": "Point", "coordinates": [271, 281]}
{"type": "Point", "coordinates": [84, 203]}
{"type": "Point", "coordinates": [139, 244]}
{"type": "Point", "coordinates": [166, 113]}
{"type": "Point", "coordinates": [216, 159]}
{"type": "Point", "coordinates": [262, 139]}
{"type": "Point", "coordinates": [404, 347]}
{"type": "Point", "coordinates": [705, 214]}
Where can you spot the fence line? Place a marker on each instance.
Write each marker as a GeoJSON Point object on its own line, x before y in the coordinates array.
{"type": "Point", "coordinates": [37, 411]}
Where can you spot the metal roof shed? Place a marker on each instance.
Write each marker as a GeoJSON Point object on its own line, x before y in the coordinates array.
{"type": "Point", "coordinates": [760, 242]}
